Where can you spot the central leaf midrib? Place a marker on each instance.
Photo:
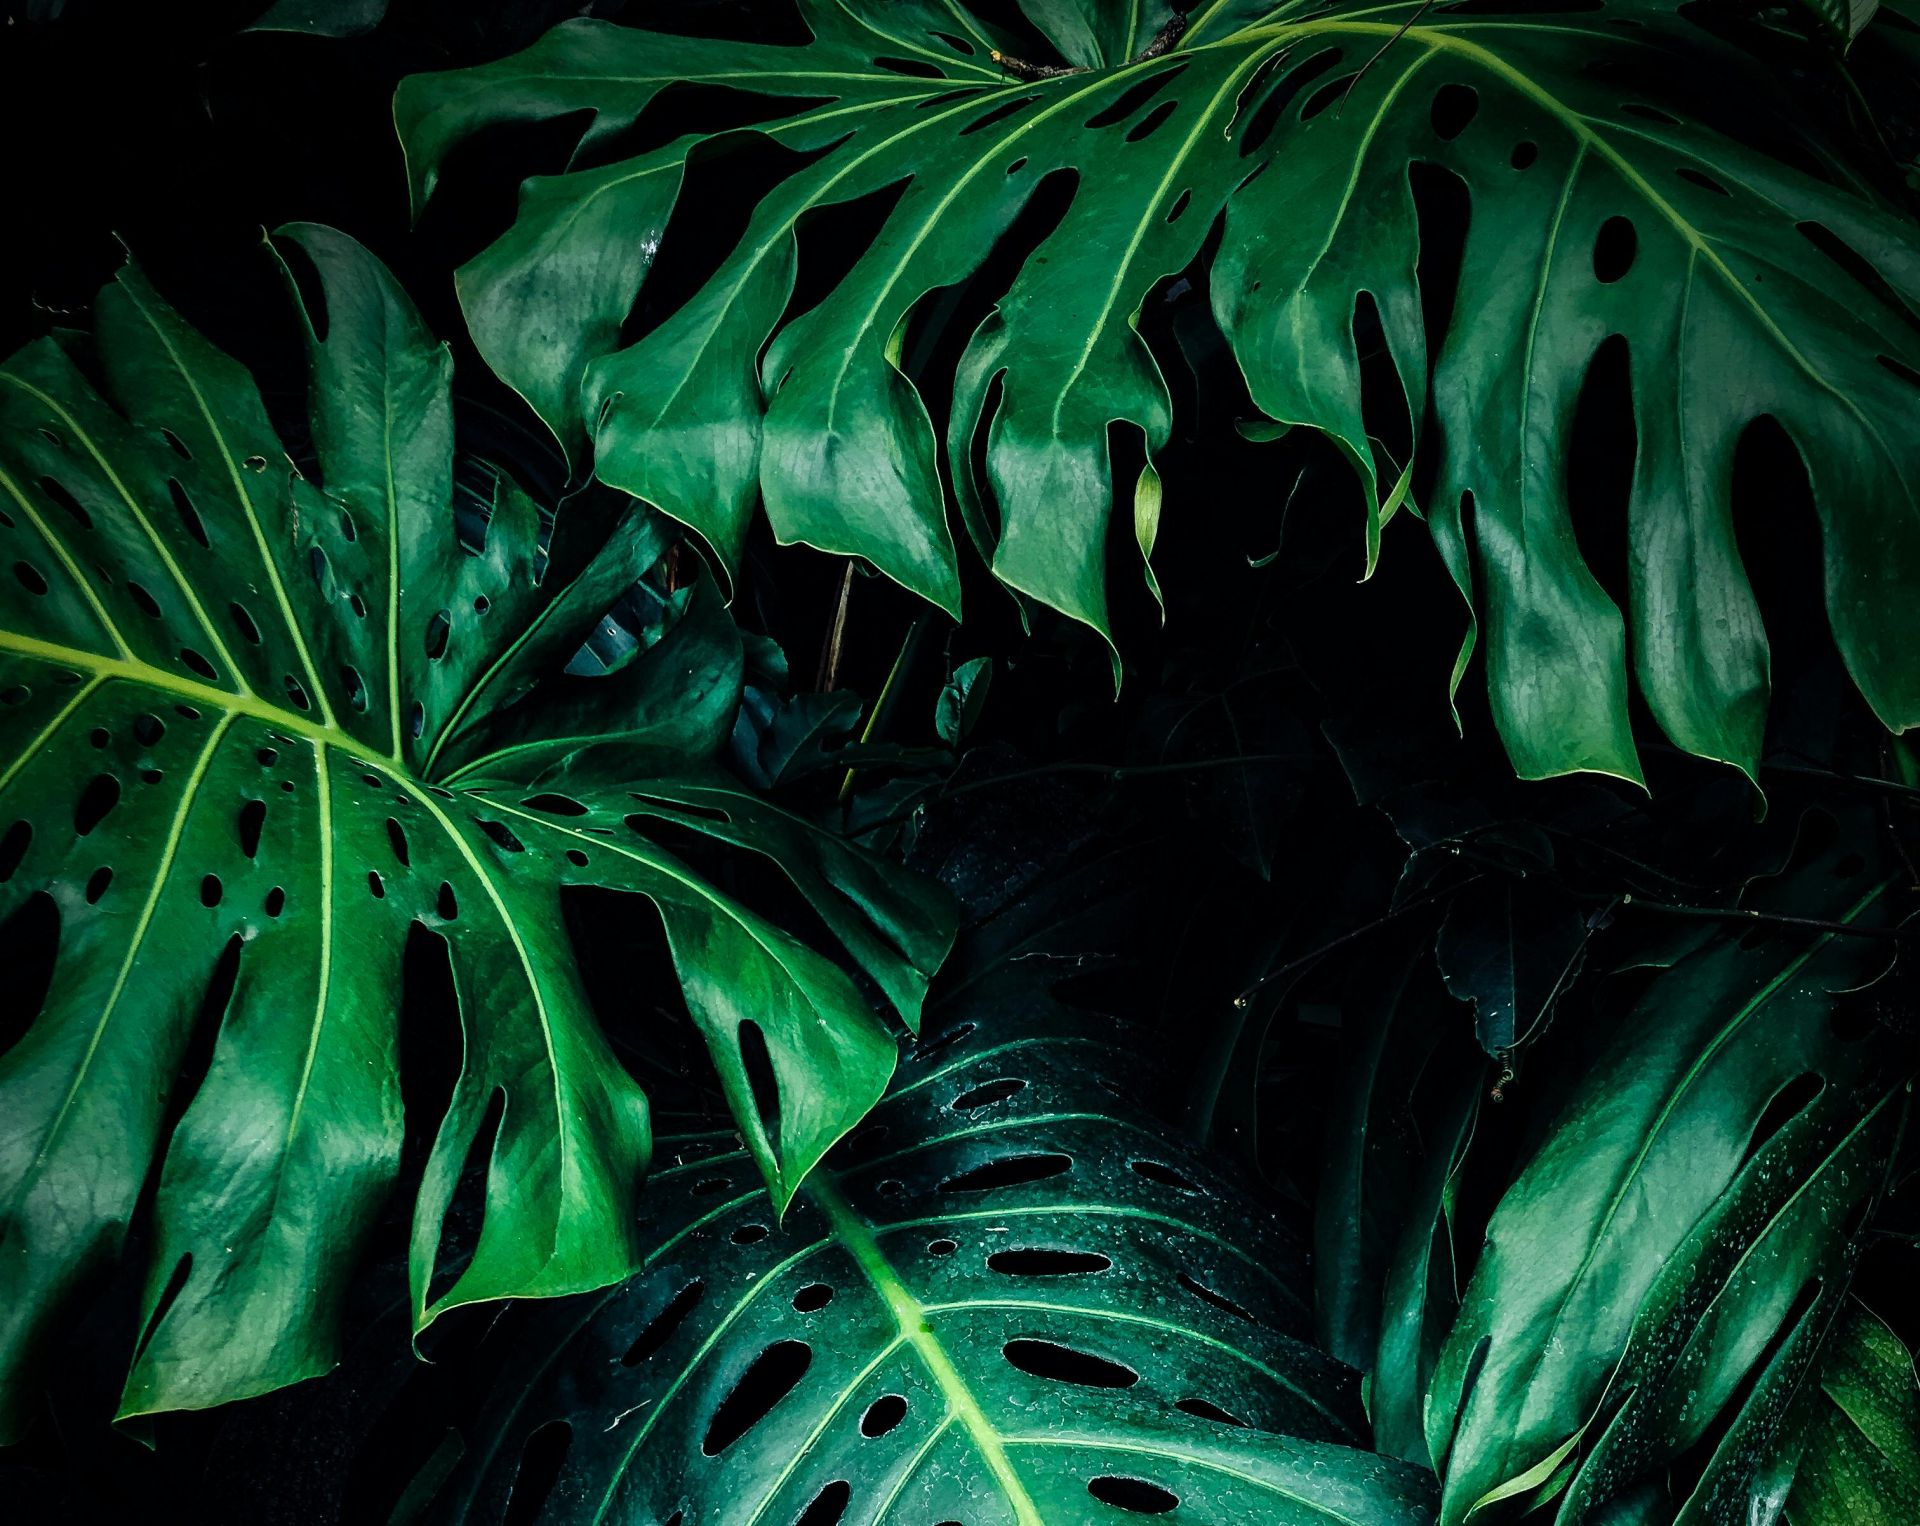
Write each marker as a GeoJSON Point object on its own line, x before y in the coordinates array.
{"type": "Point", "coordinates": [911, 1316]}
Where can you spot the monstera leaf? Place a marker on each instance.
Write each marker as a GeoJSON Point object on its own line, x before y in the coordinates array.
{"type": "Point", "coordinates": [1856, 1458]}
{"type": "Point", "coordinates": [1659, 1278]}
{"type": "Point", "coordinates": [1630, 176]}
{"type": "Point", "coordinates": [260, 729]}
{"type": "Point", "coordinates": [1014, 1300]}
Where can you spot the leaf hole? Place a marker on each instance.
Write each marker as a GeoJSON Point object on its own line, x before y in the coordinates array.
{"type": "Point", "coordinates": [1327, 95]}
{"type": "Point", "coordinates": [101, 795]}
{"type": "Point", "coordinates": [1613, 249]}
{"type": "Point", "coordinates": [189, 516]}
{"type": "Point", "coordinates": [828, 1506]}
{"type": "Point", "coordinates": [765, 1089]}
{"type": "Point", "coordinates": [883, 1415]}
{"type": "Point", "coordinates": [913, 68]}
{"type": "Point", "coordinates": [813, 1297]}
{"type": "Point", "coordinates": [29, 578]}
{"type": "Point", "coordinates": [1219, 1300]}
{"type": "Point", "coordinates": [253, 816]}
{"type": "Point", "coordinates": [71, 506]}
{"type": "Point", "coordinates": [1136, 1495]}
{"type": "Point", "coordinates": [941, 1247]}
{"type": "Point", "coordinates": [1454, 108]}
{"type": "Point", "coordinates": [1064, 1364]}
{"type": "Point", "coordinates": [1166, 1176]}
{"type": "Point", "coordinates": [29, 950]}
{"type": "Point", "coordinates": [541, 1460]}
{"type": "Point", "coordinates": [988, 1093]}
{"type": "Point", "coordinates": [296, 692]}
{"type": "Point", "coordinates": [1180, 204]}
{"type": "Point", "coordinates": [1203, 1410]}
{"type": "Point", "coordinates": [749, 1234]}
{"type": "Point", "coordinates": [148, 729]}
{"type": "Point", "coordinates": [13, 848]}
{"type": "Point", "coordinates": [198, 664]}
{"type": "Point", "coordinates": [397, 840]}
{"type": "Point", "coordinates": [663, 1326]}
{"type": "Point", "coordinates": [1524, 154]}
{"type": "Point", "coordinates": [1133, 98]}
{"type": "Point", "coordinates": [500, 835]}
{"type": "Point", "coordinates": [555, 805]}
{"type": "Point", "coordinates": [439, 629]}
{"type": "Point", "coordinates": [97, 884]}
{"type": "Point", "coordinates": [577, 858]}
{"type": "Point", "coordinates": [356, 688]}
{"type": "Point", "coordinates": [1046, 1262]}
{"type": "Point", "coordinates": [179, 445]}
{"type": "Point", "coordinates": [1008, 1171]}
{"type": "Point", "coordinates": [1266, 116]}
{"type": "Point", "coordinates": [999, 114]}
{"type": "Point", "coordinates": [446, 906]}
{"type": "Point", "coordinates": [1152, 122]}
{"type": "Point", "coordinates": [1702, 179]}
{"type": "Point", "coordinates": [275, 902]}
{"type": "Point", "coordinates": [210, 891]}
{"type": "Point", "coordinates": [243, 622]}
{"type": "Point", "coordinates": [774, 1374]}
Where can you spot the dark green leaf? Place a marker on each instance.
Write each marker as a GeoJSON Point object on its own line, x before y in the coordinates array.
{"type": "Point", "coordinates": [1014, 1301]}
{"type": "Point", "coordinates": [961, 701]}
{"type": "Point", "coordinates": [1854, 1457]}
{"type": "Point", "coordinates": [1630, 173]}
{"type": "Point", "coordinates": [1618, 1316]}
{"type": "Point", "coordinates": [249, 711]}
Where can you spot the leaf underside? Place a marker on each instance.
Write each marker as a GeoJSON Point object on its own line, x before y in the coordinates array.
{"type": "Point", "coordinates": [262, 730]}
{"type": "Point", "coordinates": [1629, 177]}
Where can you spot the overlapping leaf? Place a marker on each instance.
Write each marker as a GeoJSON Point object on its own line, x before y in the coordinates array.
{"type": "Point", "coordinates": [1014, 1301]}
{"type": "Point", "coordinates": [1659, 1278]}
{"type": "Point", "coordinates": [1629, 176]}
{"type": "Point", "coordinates": [1853, 1458]}
{"type": "Point", "coordinates": [260, 729]}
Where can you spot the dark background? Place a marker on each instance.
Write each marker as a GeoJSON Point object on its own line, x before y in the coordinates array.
{"type": "Point", "coordinates": [168, 132]}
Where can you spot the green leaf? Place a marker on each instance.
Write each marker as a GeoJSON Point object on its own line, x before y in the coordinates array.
{"type": "Point", "coordinates": [957, 711]}
{"type": "Point", "coordinates": [322, 18]}
{"type": "Point", "coordinates": [1512, 947]}
{"type": "Point", "coordinates": [1630, 174]}
{"type": "Point", "coordinates": [1015, 1300]}
{"type": "Point", "coordinates": [271, 725]}
{"type": "Point", "coordinates": [1664, 1267]}
{"type": "Point", "coordinates": [1404, 1104]}
{"type": "Point", "coordinates": [1856, 1460]}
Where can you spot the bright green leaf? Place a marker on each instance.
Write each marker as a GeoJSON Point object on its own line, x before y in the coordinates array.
{"type": "Point", "coordinates": [281, 722]}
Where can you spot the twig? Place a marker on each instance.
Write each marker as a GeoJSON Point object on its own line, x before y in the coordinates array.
{"type": "Point", "coordinates": [1165, 38]}
{"type": "Point", "coordinates": [829, 671]}
{"type": "Point", "coordinates": [889, 695]}
{"type": "Point", "coordinates": [1765, 918]}
{"type": "Point", "coordinates": [1353, 933]}
{"type": "Point", "coordinates": [1380, 53]}
{"type": "Point", "coordinates": [1019, 68]}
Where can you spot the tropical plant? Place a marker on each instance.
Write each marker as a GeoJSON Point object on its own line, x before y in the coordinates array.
{"type": "Point", "coordinates": [1314, 1121]}
{"type": "Point", "coordinates": [1633, 180]}
{"type": "Point", "coordinates": [1014, 1297]}
{"type": "Point", "coordinates": [264, 727]}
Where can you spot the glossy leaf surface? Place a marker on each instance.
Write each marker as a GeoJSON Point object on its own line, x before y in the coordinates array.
{"type": "Point", "coordinates": [260, 730]}
{"type": "Point", "coordinates": [1630, 178]}
{"type": "Point", "coordinates": [1015, 1300]}
{"type": "Point", "coordinates": [1659, 1277]}
{"type": "Point", "coordinates": [1855, 1460]}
